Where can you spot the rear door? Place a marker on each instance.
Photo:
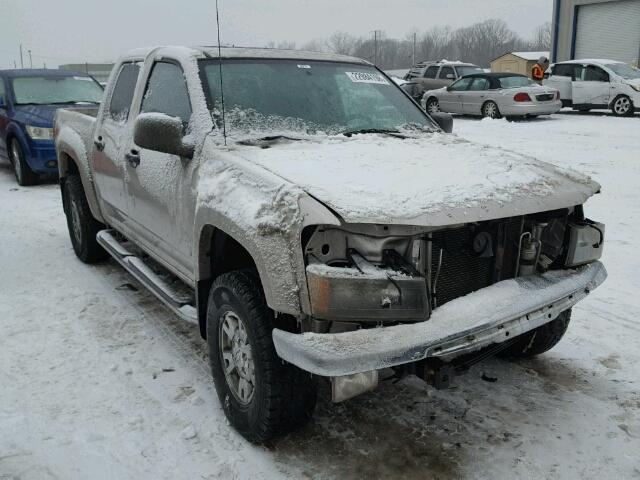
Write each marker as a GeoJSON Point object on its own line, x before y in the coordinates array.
{"type": "Point", "coordinates": [591, 86]}
{"type": "Point", "coordinates": [4, 117]}
{"type": "Point", "coordinates": [561, 78]}
{"type": "Point", "coordinates": [159, 184]}
{"type": "Point", "coordinates": [474, 96]}
{"type": "Point", "coordinates": [111, 137]}
{"type": "Point", "coordinates": [429, 81]}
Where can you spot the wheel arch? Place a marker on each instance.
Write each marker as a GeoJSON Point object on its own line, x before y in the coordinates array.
{"type": "Point", "coordinates": [219, 251]}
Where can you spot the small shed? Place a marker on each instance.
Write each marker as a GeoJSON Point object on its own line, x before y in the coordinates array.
{"type": "Point", "coordinates": [517, 62]}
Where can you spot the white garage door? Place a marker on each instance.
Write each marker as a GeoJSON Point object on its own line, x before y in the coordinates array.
{"type": "Point", "coordinates": [609, 30]}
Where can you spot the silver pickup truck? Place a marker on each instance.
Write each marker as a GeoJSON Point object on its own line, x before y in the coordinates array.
{"type": "Point", "coordinates": [315, 223]}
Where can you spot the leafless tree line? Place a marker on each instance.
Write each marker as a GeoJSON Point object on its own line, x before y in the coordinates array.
{"type": "Point", "coordinates": [479, 43]}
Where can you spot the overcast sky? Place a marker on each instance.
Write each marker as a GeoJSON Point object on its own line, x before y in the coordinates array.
{"type": "Point", "coordinates": [67, 31]}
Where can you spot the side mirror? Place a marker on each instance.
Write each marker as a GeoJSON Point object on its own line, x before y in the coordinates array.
{"type": "Point", "coordinates": [161, 133]}
{"type": "Point", "coordinates": [444, 121]}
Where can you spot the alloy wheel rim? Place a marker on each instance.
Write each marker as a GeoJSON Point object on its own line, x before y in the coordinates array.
{"type": "Point", "coordinates": [490, 109]}
{"type": "Point", "coordinates": [622, 105]}
{"type": "Point", "coordinates": [434, 107]}
{"type": "Point", "coordinates": [15, 153]}
{"type": "Point", "coordinates": [237, 357]}
{"type": "Point", "coordinates": [75, 221]}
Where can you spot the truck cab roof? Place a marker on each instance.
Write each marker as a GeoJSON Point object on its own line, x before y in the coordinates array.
{"type": "Point", "coordinates": [241, 52]}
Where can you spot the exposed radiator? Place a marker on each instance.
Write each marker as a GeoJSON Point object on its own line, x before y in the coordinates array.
{"type": "Point", "coordinates": [462, 271]}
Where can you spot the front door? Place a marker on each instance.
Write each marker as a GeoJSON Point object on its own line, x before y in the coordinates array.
{"type": "Point", "coordinates": [591, 86]}
{"type": "Point", "coordinates": [475, 96]}
{"type": "Point", "coordinates": [451, 99]}
{"type": "Point", "coordinates": [111, 138]}
{"type": "Point", "coordinates": [159, 184]}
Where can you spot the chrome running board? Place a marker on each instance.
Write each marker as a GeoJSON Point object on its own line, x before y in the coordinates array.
{"type": "Point", "coordinates": [178, 302]}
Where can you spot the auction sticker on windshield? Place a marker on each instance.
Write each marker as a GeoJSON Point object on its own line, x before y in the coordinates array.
{"type": "Point", "coordinates": [365, 77]}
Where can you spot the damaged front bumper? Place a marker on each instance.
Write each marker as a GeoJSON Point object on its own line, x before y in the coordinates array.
{"type": "Point", "coordinates": [491, 315]}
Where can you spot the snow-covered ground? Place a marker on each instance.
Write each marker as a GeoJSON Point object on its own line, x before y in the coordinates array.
{"type": "Point", "coordinates": [98, 380]}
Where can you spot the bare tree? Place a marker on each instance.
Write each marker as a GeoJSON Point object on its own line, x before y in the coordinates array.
{"type": "Point", "coordinates": [541, 37]}
{"type": "Point", "coordinates": [478, 43]}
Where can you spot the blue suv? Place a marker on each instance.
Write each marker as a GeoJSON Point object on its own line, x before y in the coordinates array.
{"type": "Point", "coordinates": [28, 102]}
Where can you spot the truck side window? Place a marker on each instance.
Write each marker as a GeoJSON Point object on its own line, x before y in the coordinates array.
{"type": "Point", "coordinates": [444, 71]}
{"type": "Point", "coordinates": [123, 92]}
{"type": "Point", "coordinates": [167, 92]}
{"type": "Point", "coordinates": [431, 72]}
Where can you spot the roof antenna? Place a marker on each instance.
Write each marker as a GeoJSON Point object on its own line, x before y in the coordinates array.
{"type": "Point", "coordinates": [224, 122]}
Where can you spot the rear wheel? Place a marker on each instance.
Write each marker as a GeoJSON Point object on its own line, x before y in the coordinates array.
{"type": "Point", "coordinates": [539, 340]}
{"type": "Point", "coordinates": [622, 106]}
{"type": "Point", "coordinates": [24, 175]}
{"type": "Point", "coordinates": [262, 396]}
{"type": "Point", "coordinates": [432, 106]}
{"type": "Point", "coordinates": [490, 110]}
{"type": "Point", "coordinates": [83, 227]}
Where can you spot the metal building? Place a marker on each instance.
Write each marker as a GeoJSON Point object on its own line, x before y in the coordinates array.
{"type": "Point", "coordinates": [596, 29]}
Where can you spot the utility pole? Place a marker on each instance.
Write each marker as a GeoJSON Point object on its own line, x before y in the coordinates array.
{"type": "Point", "coordinates": [15, 65]}
{"type": "Point", "coordinates": [413, 61]}
{"type": "Point", "coordinates": [21, 62]}
{"type": "Point", "coordinates": [45, 65]}
{"type": "Point", "coordinates": [375, 47]}
{"type": "Point", "coordinates": [30, 59]}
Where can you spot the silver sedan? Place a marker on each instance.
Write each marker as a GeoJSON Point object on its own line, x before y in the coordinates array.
{"type": "Point", "coordinates": [494, 95]}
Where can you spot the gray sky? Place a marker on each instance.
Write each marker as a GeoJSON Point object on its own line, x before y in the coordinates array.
{"type": "Point", "coordinates": [66, 31]}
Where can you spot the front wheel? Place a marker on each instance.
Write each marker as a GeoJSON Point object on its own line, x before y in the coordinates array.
{"type": "Point", "coordinates": [432, 106]}
{"type": "Point", "coordinates": [539, 340]}
{"type": "Point", "coordinates": [262, 396]}
{"type": "Point", "coordinates": [490, 110]}
{"type": "Point", "coordinates": [83, 227]}
{"type": "Point", "coordinates": [622, 106]}
{"type": "Point", "coordinates": [24, 175]}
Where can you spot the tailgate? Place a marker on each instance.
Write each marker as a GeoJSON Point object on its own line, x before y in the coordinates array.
{"type": "Point", "coordinates": [491, 315]}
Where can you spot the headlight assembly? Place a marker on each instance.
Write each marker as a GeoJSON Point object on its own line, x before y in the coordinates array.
{"type": "Point", "coordinates": [40, 133]}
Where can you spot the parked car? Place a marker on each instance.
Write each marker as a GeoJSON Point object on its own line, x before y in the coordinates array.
{"type": "Point", "coordinates": [28, 102]}
{"type": "Point", "coordinates": [596, 84]}
{"type": "Point", "coordinates": [432, 75]}
{"type": "Point", "coordinates": [319, 225]}
{"type": "Point", "coordinates": [494, 95]}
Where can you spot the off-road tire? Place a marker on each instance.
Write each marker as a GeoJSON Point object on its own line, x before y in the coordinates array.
{"type": "Point", "coordinates": [539, 340]}
{"type": "Point", "coordinates": [284, 396]}
{"type": "Point", "coordinates": [490, 110]}
{"type": "Point", "coordinates": [24, 175]}
{"type": "Point", "coordinates": [622, 106]}
{"type": "Point", "coordinates": [432, 105]}
{"type": "Point", "coordinates": [83, 227]}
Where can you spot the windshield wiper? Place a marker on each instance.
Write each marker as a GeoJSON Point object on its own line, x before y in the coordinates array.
{"type": "Point", "coordinates": [267, 140]}
{"type": "Point", "coordinates": [394, 133]}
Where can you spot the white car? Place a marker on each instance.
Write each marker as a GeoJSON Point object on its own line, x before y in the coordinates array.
{"type": "Point", "coordinates": [602, 84]}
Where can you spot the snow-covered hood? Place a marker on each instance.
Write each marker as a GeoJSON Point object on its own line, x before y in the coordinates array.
{"type": "Point", "coordinates": [635, 82]}
{"type": "Point", "coordinates": [433, 180]}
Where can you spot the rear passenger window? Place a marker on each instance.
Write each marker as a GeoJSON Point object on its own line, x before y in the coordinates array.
{"type": "Point", "coordinates": [447, 71]}
{"type": "Point", "coordinates": [167, 92]}
{"type": "Point", "coordinates": [431, 72]}
{"type": "Point", "coordinates": [565, 70]}
{"type": "Point", "coordinates": [123, 92]}
{"type": "Point", "coordinates": [479, 83]}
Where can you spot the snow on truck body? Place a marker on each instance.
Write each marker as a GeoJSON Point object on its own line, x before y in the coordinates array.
{"type": "Point", "coordinates": [376, 239]}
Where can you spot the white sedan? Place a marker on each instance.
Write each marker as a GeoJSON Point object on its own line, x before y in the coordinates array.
{"type": "Point", "coordinates": [494, 95]}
